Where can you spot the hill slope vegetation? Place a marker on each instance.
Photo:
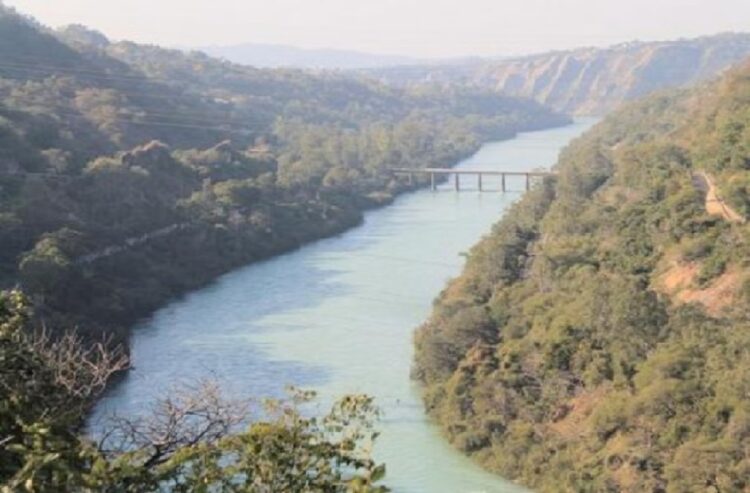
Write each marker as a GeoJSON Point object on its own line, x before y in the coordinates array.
{"type": "Point", "coordinates": [598, 337]}
{"type": "Point", "coordinates": [130, 173]}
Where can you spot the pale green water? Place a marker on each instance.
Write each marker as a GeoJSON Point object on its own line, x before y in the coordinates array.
{"type": "Point", "coordinates": [338, 316]}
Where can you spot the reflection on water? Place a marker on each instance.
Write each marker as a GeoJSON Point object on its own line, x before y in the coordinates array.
{"type": "Point", "coordinates": [338, 316]}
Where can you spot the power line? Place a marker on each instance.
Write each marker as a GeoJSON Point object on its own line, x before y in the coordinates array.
{"type": "Point", "coordinates": [249, 129]}
{"type": "Point", "coordinates": [197, 97]}
{"type": "Point", "coordinates": [54, 70]}
{"type": "Point", "coordinates": [191, 98]}
{"type": "Point", "coordinates": [130, 90]}
{"type": "Point", "coordinates": [36, 61]}
{"type": "Point", "coordinates": [187, 120]}
{"type": "Point", "coordinates": [164, 124]}
{"type": "Point", "coordinates": [103, 76]}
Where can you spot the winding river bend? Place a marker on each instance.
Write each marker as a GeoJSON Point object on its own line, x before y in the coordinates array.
{"type": "Point", "coordinates": [338, 316]}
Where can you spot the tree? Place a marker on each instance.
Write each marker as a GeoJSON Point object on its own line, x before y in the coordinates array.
{"type": "Point", "coordinates": [191, 442]}
{"type": "Point", "coordinates": [46, 387]}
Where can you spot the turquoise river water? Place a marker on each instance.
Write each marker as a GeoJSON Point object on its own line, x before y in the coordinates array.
{"type": "Point", "coordinates": [338, 316]}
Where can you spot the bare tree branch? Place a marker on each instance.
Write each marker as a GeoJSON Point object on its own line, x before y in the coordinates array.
{"type": "Point", "coordinates": [193, 415]}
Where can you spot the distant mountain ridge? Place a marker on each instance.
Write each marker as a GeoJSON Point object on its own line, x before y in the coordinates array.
{"type": "Point", "coordinates": [278, 56]}
{"type": "Point", "coordinates": [590, 81]}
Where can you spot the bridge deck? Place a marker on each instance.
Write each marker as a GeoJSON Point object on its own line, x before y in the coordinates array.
{"type": "Point", "coordinates": [479, 173]}
{"type": "Point", "coordinates": [451, 171]}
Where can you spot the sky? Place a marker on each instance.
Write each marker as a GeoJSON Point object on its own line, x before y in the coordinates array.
{"type": "Point", "coordinates": [422, 28]}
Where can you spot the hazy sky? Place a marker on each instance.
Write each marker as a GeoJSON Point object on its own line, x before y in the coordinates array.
{"type": "Point", "coordinates": [414, 27]}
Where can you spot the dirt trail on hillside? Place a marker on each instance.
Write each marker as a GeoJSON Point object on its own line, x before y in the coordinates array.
{"type": "Point", "coordinates": [715, 205]}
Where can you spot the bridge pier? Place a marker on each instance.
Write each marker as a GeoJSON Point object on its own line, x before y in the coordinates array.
{"type": "Point", "coordinates": [412, 175]}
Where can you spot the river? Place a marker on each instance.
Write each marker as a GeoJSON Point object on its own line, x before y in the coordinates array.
{"type": "Point", "coordinates": [338, 315]}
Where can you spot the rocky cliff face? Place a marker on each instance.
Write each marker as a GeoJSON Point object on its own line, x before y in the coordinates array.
{"type": "Point", "coordinates": [593, 81]}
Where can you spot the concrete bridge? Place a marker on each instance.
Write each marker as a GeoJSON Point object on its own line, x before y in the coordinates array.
{"type": "Point", "coordinates": [457, 173]}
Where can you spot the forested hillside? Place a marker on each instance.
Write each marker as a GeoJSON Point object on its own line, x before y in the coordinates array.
{"type": "Point", "coordinates": [130, 173]}
{"type": "Point", "coordinates": [591, 81]}
{"type": "Point", "coordinates": [598, 337]}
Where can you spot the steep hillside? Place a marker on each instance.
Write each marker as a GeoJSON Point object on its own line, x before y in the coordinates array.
{"type": "Point", "coordinates": [130, 173]}
{"type": "Point", "coordinates": [593, 81]}
{"type": "Point", "coordinates": [599, 337]}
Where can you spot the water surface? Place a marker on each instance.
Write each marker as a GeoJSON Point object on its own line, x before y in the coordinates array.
{"type": "Point", "coordinates": [338, 316]}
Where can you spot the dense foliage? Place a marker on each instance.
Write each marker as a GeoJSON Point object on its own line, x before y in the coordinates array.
{"type": "Point", "coordinates": [193, 442]}
{"type": "Point", "coordinates": [131, 173]}
{"type": "Point", "coordinates": [599, 337]}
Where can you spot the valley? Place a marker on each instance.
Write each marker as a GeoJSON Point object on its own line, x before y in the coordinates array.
{"type": "Point", "coordinates": [329, 316]}
{"type": "Point", "coordinates": [263, 268]}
